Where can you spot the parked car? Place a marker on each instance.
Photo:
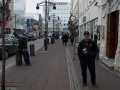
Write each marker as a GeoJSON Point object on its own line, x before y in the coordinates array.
{"type": "Point", "coordinates": [30, 36]}
{"type": "Point", "coordinates": [10, 37]}
{"type": "Point", "coordinates": [10, 47]}
{"type": "Point", "coordinates": [35, 36]}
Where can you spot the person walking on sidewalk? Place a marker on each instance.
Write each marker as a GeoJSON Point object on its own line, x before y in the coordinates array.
{"type": "Point", "coordinates": [65, 39]}
{"type": "Point", "coordinates": [71, 39]}
{"type": "Point", "coordinates": [23, 49]}
{"type": "Point", "coordinates": [87, 51]}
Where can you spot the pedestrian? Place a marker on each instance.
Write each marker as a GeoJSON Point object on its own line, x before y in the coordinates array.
{"type": "Point", "coordinates": [65, 39]}
{"type": "Point", "coordinates": [57, 36]}
{"type": "Point", "coordinates": [87, 51]}
{"type": "Point", "coordinates": [62, 39]}
{"type": "Point", "coordinates": [23, 49]}
{"type": "Point", "coordinates": [71, 39]}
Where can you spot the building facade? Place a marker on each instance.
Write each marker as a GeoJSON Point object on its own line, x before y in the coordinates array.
{"type": "Point", "coordinates": [89, 17]}
{"type": "Point", "coordinates": [102, 18]}
{"type": "Point", "coordinates": [7, 14]}
{"type": "Point", "coordinates": [17, 16]}
{"type": "Point", "coordinates": [111, 31]}
{"type": "Point", "coordinates": [63, 12]}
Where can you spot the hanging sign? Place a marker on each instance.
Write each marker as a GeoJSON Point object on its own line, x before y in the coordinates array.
{"type": "Point", "coordinates": [72, 18]}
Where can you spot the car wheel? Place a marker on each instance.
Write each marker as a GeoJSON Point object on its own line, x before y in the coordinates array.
{"type": "Point", "coordinates": [6, 54]}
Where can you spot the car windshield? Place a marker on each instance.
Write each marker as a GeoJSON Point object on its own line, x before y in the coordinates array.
{"type": "Point", "coordinates": [6, 36]}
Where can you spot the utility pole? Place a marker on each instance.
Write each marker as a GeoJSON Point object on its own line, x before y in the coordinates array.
{"type": "Point", "coordinates": [40, 25]}
{"type": "Point", "coordinates": [46, 11]}
{"type": "Point", "coordinates": [45, 25]}
{"type": "Point", "coordinates": [53, 24]}
{"type": "Point", "coordinates": [15, 21]}
{"type": "Point", "coordinates": [3, 47]}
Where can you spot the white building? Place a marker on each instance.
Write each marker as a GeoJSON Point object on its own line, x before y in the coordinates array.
{"type": "Point", "coordinates": [110, 47]}
{"type": "Point", "coordinates": [101, 17]}
{"type": "Point", "coordinates": [63, 12]}
{"type": "Point", "coordinates": [89, 17]}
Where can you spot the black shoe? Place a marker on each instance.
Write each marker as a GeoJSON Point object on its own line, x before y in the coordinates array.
{"type": "Point", "coordinates": [94, 85]}
{"type": "Point", "coordinates": [28, 64]}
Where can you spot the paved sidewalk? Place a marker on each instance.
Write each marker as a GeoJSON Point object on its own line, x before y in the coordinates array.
{"type": "Point", "coordinates": [105, 80]}
{"type": "Point", "coordinates": [48, 71]}
{"type": "Point", "coordinates": [55, 69]}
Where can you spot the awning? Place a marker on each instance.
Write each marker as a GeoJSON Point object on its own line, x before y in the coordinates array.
{"type": "Point", "coordinates": [35, 29]}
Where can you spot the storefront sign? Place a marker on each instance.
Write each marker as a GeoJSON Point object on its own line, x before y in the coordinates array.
{"type": "Point", "coordinates": [72, 18]}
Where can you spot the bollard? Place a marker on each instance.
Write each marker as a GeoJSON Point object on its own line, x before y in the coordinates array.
{"type": "Point", "coordinates": [32, 50]}
{"type": "Point", "coordinates": [18, 58]}
{"type": "Point", "coordinates": [52, 40]}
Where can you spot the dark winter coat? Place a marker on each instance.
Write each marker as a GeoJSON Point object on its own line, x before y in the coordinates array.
{"type": "Point", "coordinates": [65, 38]}
{"type": "Point", "coordinates": [72, 38]}
{"type": "Point", "coordinates": [91, 48]}
{"type": "Point", "coordinates": [22, 44]}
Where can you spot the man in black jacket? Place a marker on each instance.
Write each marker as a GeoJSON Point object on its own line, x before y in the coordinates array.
{"type": "Point", "coordinates": [87, 51]}
{"type": "Point", "coordinates": [23, 49]}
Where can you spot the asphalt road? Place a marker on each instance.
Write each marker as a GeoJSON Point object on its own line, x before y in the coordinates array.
{"type": "Point", "coordinates": [11, 60]}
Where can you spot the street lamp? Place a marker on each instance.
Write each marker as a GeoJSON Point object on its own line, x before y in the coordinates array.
{"type": "Point", "coordinates": [53, 16]}
{"type": "Point", "coordinates": [37, 7]}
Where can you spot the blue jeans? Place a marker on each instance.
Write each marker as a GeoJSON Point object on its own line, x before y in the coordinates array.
{"type": "Point", "coordinates": [26, 56]}
{"type": "Point", "coordinates": [91, 66]}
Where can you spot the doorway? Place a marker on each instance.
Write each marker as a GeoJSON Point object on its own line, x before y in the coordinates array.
{"type": "Point", "coordinates": [112, 34]}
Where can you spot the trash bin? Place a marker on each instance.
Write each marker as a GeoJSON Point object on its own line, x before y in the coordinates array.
{"type": "Point", "coordinates": [18, 58]}
{"type": "Point", "coordinates": [52, 40]}
{"type": "Point", "coordinates": [32, 50]}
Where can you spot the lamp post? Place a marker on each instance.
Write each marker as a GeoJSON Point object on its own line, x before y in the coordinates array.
{"type": "Point", "coordinates": [53, 16]}
{"type": "Point", "coordinates": [46, 29]}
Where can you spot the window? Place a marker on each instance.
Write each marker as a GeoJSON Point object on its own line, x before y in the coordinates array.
{"type": "Point", "coordinates": [12, 36]}
{"type": "Point", "coordinates": [7, 42]}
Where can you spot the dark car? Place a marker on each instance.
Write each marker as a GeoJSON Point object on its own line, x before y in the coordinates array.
{"type": "Point", "coordinates": [11, 37]}
{"type": "Point", "coordinates": [10, 48]}
{"type": "Point", "coordinates": [30, 36]}
{"type": "Point", "coordinates": [35, 36]}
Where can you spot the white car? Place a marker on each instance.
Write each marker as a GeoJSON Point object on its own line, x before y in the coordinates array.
{"type": "Point", "coordinates": [12, 38]}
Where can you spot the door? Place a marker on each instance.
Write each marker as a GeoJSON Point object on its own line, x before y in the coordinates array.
{"type": "Point", "coordinates": [112, 34]}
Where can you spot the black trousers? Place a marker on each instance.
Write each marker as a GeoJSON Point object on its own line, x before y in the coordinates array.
{"type": "Point", "coordinates": [91, 66]}
{"type": "Point", "coordinates": [26, 57]}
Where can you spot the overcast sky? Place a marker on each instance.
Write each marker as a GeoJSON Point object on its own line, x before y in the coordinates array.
{"type": "Point", "coordinates": [31, 5]}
